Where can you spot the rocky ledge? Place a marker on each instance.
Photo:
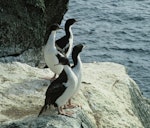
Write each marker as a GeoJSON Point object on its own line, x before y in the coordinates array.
{"type": "Point", "coordinates": [109, 99]}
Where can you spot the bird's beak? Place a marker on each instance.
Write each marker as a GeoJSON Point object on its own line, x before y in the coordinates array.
{"type": "Point", "coordinates": [84, 46]}
{"type": "Point", "coordinates": [60, 28]}
{"type": "Point", "coordinates": [77, 20]}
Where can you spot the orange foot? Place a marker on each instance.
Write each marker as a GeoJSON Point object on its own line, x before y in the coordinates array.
{"type": "Point", "coordinates": [62, 112]}
{"type": "Point", "coordinates": [70, 106]}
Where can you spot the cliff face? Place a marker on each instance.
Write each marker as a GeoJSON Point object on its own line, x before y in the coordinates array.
{"type": "Point", "coordinates": [109, 98]}
{"type": "Point", "coordinates": [24, 27]}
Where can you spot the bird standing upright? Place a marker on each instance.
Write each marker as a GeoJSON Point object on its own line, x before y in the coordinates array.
{"type": "Point", "coordinates": [77, 68]}
{"type": "Point", "coordinates": [50, 52]}
{"type": "Point", "coordinates": [65, 43]}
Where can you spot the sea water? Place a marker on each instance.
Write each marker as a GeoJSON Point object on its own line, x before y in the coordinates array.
{"type": "Point", "coordinates": [115, 31]}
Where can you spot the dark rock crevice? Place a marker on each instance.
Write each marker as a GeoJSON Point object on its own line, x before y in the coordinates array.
{"type": "Point", "coordinates": [24, 25]}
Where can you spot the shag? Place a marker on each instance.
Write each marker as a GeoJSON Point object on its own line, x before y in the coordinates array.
{"type": "Point", "coordinates": [61, 89]}
{"type": "Point", "coordinates": [50, 52]}
{"type": "Point", "coordinates": [64, 44]}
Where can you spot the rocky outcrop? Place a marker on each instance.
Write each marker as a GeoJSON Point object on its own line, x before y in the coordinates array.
{"type": "Point", "coordinates": [109, 99]}
{"type": "Point", "coordinates": [24, 27]}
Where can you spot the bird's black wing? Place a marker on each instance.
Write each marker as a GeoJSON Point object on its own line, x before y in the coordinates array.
{"type": "Point", "coordinates": [53, 92]}
{"type": "Point", "coordinates": [56, 88]}
{"type": "Point", "coordinates": [62, 42]}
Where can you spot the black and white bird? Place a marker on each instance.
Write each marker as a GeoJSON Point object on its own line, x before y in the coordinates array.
{"type": "Point", "coordinates": [61, 89]}
{"type": "Point", "coordinates": [50, 52]}
{"type": "Point", "coordinates": [77, 67]}
{"type": "Point", "coordinates": [66, 42]}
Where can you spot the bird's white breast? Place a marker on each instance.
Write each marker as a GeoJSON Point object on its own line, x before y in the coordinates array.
{"type": "Point", "coordinates": [78, 72]}
{"type": "Point", "coordinates": [71, 86]}
{"type": "Point", "coordinates": [50, 53]}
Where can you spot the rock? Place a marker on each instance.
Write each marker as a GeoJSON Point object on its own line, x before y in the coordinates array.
{"type": "Point", "coordinates": [109, 99]}
{"type": "Point", "coordinates": [24, 27]}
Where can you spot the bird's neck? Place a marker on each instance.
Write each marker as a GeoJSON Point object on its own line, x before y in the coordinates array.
{"type": "Point", "coordinates": [51, 39]}
{"type": "Point", "coordinates": [68, 31]}
{"type": "Point", "coordinates": [69, 72]}
{"type": "Point", "coordinates": [77, 67]}
{"type": "Point", "coordinates": [76, 59]}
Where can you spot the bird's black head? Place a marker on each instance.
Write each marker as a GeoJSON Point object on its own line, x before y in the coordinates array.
{"type": "Point", "coordinates": [55, 27]}
{"type": "Point", "coordinates": [63, 60]}
{"type": "Point", "coordinates": [78, 48]}
{"type": "Point", "coordinates": [70, 22]}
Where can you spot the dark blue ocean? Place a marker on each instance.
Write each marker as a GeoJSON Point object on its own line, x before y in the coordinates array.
{"type": "Point", "coordinates": [115, 31]}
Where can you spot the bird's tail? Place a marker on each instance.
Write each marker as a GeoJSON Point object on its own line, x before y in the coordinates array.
{"type": "Point", "coordinates": [43, 108]}
{"type": "Point", "coordinates": [47, 102]}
